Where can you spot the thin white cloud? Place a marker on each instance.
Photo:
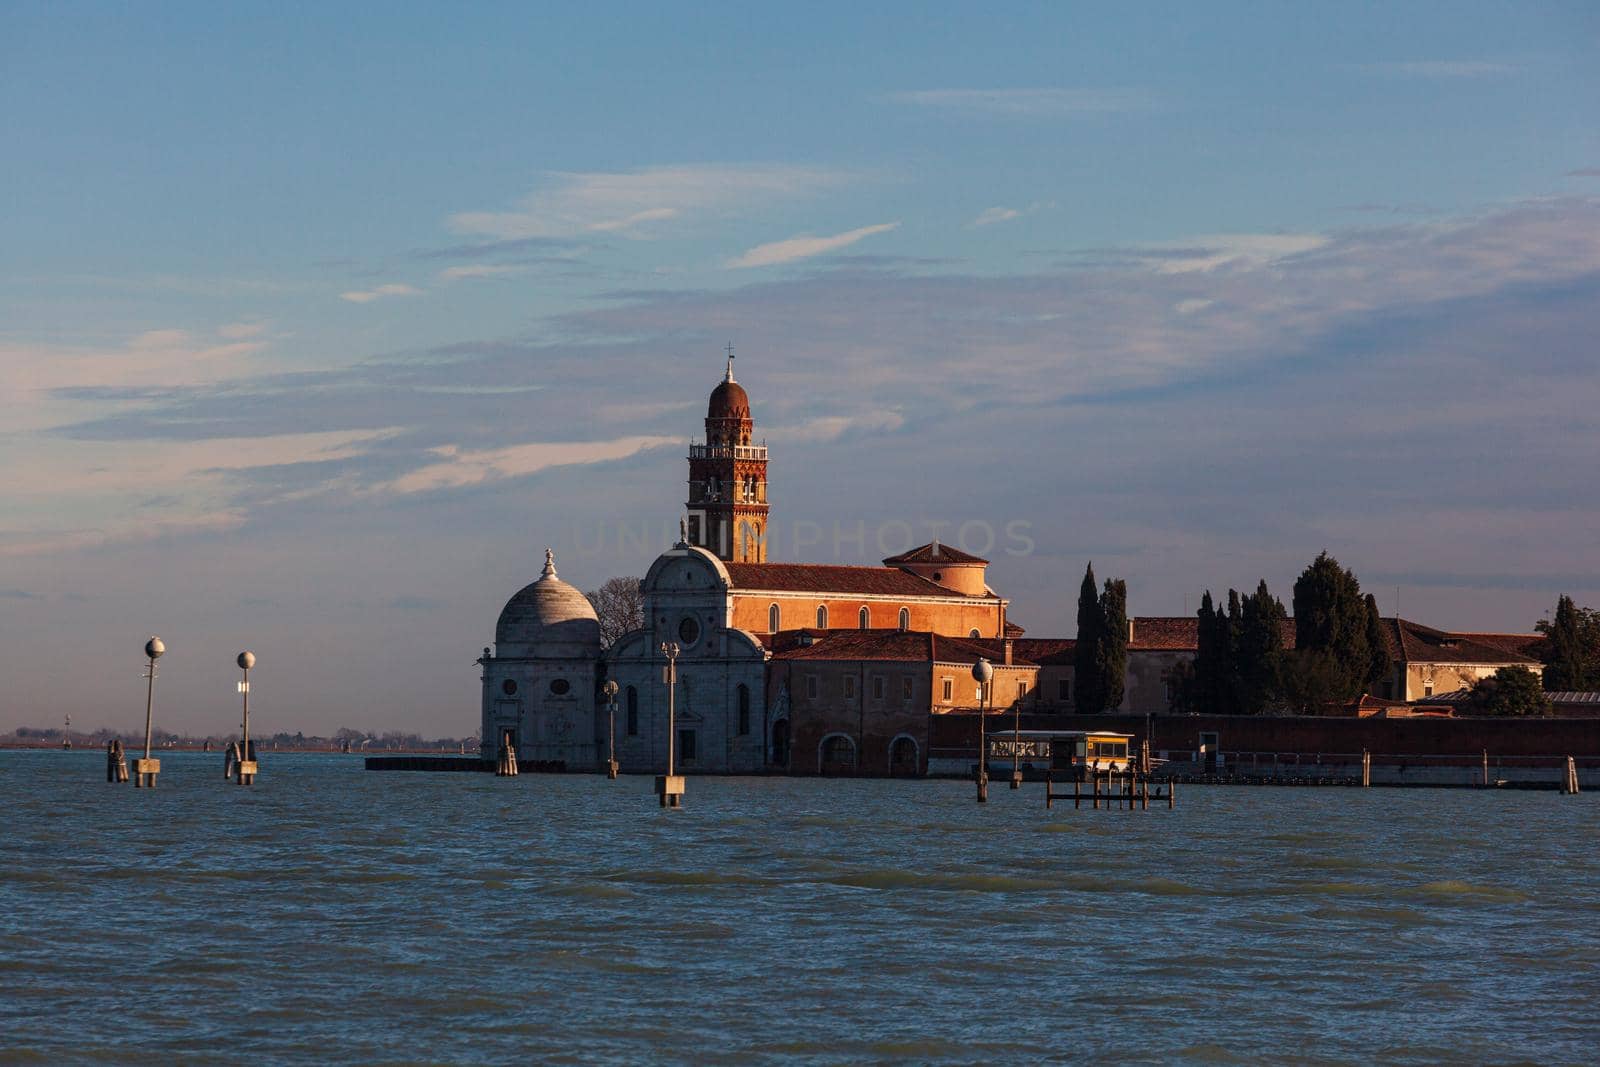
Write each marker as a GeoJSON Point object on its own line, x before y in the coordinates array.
{"type": "Point", "coordinates": [635, 203]}
{"type": "Point", "coordinates": [1210, 251]}
{"type": "Point", "coordinates": [1030, 103]}
{"type": "Point", "coordinates": [475, 270]}
{"type": "Point", "coordinates": [241, 331]}
{"type": "Point", "coordinates": [991, 215]}
{"type": "Point", "coordinates": [804, 246]}
{"type": "Point", "coordinates": [367, 296]}
{"type": "Point", "coordinates": [1445, 68]}
{"type": "Point", "coordinates": [457, 468]}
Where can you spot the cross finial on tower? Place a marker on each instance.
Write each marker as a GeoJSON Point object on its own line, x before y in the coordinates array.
{"type": "Point", "coordinates": [729, 376]}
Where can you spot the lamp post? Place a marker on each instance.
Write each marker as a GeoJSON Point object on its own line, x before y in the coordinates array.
{"type": "Point", "coordinates": [610, 690]}
{"type": "Point", "coordinates": [1016, 744]}
{"type": "Point", "coordinates": [247, 763]}
{"type": "Point", "coordinates": [669, 787]}
{"type": "Point", "coordinates": [983, 673]}
{"type": "Point", "coordinates": [145, 770]}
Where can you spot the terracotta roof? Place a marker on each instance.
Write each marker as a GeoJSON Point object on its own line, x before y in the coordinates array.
{"type": "Point", "coordinates": [835, 580]}
{"type": "Point", "coordinates": [1415, 643]}
{"type": "Point", "coordinates": [933, 552]}
{"type": "Point", "coordinates": [902, 645]}
{"type": "Point", "coordinates": [1013, 630]}
{"type": "Point", "coordinates": [1045, 651]}
{"type": "Point", "coordinates": [1530, 645]}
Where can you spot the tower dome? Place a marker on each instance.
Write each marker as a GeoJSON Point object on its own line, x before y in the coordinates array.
{"type": "Point", "coordinates": [548, 617]}
{"type": "Point", "coordinates": [728, 401]}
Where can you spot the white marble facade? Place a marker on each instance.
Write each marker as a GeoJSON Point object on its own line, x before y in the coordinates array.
{"type": "Point", "coordinates": [539, 679]}
{"type": "Point", "coordinates": [720, 713]}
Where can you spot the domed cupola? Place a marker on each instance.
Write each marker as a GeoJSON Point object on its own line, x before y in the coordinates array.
{"type": "Point", "coordinates": [728, 401]}
{"type": "Point", "coordinates": [547, 618]}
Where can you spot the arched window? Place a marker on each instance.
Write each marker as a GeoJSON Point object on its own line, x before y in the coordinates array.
{"type": "Point", "coordinates": [974, 633]}
{"type": "Point", "coordinates": [822, 616]}
{"type": "Point", "coordinates": [633, 712]}
{"type": "Point", "coordinates": [774, 619]}
{"type": "Point", "coordinates": [864, 619]}
{"type": "Point", "coordinates": [905, 618]}
{"type": "Point", "coordinates": [744, 710]}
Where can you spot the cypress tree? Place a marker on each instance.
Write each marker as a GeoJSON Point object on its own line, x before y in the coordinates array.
{"type": "Point", "coordinates": [1260, 650]}
{"type": "Point", "coordinates": [1379, 661]}
{"type": "Point", "coordinates": [1205, 658]}
{"type": "Point", "coordinates": [1330, 625]}
{"type": "Point", "coordinates": [1086, 670]}
{"type": "Point", "coordinates": [1230, 684]}
{"type": "Point", "coordinates": [1564, 652]}
{"type": "Point", "coordinates": [1112, 659]}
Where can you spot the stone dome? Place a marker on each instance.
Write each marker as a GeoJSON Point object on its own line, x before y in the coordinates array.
{"type": "Point", "coordinates": [547, 618]}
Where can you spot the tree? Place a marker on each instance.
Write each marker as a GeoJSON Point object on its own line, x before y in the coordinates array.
{"type": "Point", "coordinates": [1571, 648]}
{"type": "Point", "coordinates": [1379, 661]}
{"type": "Point", "coordinates": [1308, 677]}
{"type": "Point", "coordinates": [1511, 691]}
{"type": "Point", "coordinates": [1205, 659]}
{"type": "Point", "coordinates": [1180, 682]}
{"type": "Point", "coordinates": [619, 605]}
{"type": "Point", "coordinates": [1259, 652]}
{"type": "Point", "coordinates": [1091, 697]}
{"type": "Point", "coordinates": [1111, 657]}
{"type": "Point", "coordinates": [1330, 618]}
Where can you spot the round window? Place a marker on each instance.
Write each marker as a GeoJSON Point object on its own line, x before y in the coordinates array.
{"type": "Point", "coordinates": [508, 687]}
{"type": "Point", "coordinates": [560, 687]}
{"type": "Point", "coordinates": [689, 631]}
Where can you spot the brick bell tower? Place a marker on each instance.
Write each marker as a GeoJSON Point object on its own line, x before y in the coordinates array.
{"type": "Point", "coordinates": [728, 479]}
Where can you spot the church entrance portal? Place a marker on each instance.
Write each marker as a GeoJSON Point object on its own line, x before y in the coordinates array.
{"type": "Point", "coordinates": [903, 758]}
{"type": "Point", "coordinates": [780, 743]}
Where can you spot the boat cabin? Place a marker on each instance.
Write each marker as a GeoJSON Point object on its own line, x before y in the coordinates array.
{"type": "Point", "coordinates": [1064, 750]}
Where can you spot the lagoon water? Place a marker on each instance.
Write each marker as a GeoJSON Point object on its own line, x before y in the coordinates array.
{"type": "Point", "coordinates": [329, 914]}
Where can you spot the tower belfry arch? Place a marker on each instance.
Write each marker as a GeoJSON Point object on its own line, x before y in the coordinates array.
{"type": "Point", "coordinates": [727, 506]}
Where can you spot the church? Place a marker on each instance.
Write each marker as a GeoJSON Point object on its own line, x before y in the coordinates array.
{"type": "Point", "coordinates": [741, 622]}
{"type": "Point", "coordinates": [804, 668]}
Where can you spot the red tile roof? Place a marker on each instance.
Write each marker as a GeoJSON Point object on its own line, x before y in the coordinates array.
{"type": "Point", "coordinates": [934, 552]}
{"type": "Point", "coordinates": [1045, 651]}
{"type": "Point", "coordinates": [1415, 643]}
{"type": "Point", "coordinates": [901, 645]}
{"type": "Point", "coordinates": [828, 579]}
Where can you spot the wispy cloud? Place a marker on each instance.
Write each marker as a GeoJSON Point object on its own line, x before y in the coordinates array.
{"type": "Point", "coordinates": [456, 468]}
{"type": "Point", "coordinates": [993, 215]}
{"type": "Point", "coordinates": [381, 292]}
{"type": "Point", "coordinates": [476, 270]}
{"type": "Point", "coordinates": [1444, 68]}
{"type": "Point", "coordinates": [1584, 172]}
{"type": "Point", "coordinates": [1031, 103]}
{"type": "Point", "coordinates": [804, 246]}
{"type": "Point", "coordinates": [635, 203]}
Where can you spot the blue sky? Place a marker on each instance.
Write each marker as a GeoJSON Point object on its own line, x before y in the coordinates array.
{"type": "Point", "coordinates": [318, 325]}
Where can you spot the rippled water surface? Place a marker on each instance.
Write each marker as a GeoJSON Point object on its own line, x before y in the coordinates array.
{"type": "Point", "coordinates": [332, 914]}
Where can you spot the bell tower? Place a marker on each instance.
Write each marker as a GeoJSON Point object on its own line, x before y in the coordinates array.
{"type": "Point", "coordinates": [727, 503]}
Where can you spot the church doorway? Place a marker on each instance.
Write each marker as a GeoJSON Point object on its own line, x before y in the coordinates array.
{"type": "Point", "coordinates": [837, 755]}
{"type": "Point", "coordinates": [780, 743]}
{"type": "Point", "coordinates": [903, 757]}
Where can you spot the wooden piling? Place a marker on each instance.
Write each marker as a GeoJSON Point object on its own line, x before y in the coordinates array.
{"type": "Point", "coordinates": [506, 764]}
{"type": "Point", "coordinates": [1366, 768]}
{"type": "Point", "coordinates": [1486, 768]}
{"type": "Point", "coordinates": [1569, 782]}
{"type": "Point", "coordinates": [1172, 793]}
{"type": "Point", "coordinates": [116, 762]}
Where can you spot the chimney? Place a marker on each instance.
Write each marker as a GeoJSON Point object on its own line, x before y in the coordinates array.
{"type": "Point", "coordinates": [935, 553]}
{"type": "Point", "coordinates": [1007, 646]}
{"type": "Point", "coordinates": [1130, 629]}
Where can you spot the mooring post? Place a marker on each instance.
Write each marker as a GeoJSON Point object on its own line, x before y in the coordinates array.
{"type": "Point", "coordinates": [506, 765]}
{"type": "Point", "coordinates": [1077, 789]}
{"type": "Point", "coordinates": [1486, 767]}
{"type": "Point", "coordinates": [669, 787]}
{"type": "Point", "coordinates": [145, 770]}
{"type": "Point", "coordinates": [116, 761]}
{"type": "Point", "coordinates": [247, 756]}
{"type": "Point", "coordinates": [1172, 793]}
{"type": "Point", "coordinates": [610, 690]}
{"type": "Point", "coordinates": [1366, 768]}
